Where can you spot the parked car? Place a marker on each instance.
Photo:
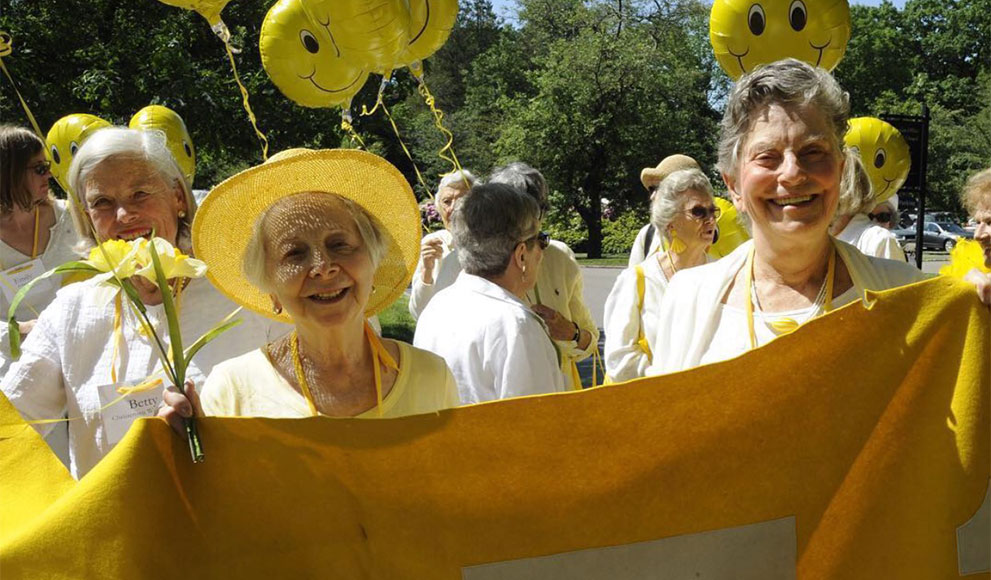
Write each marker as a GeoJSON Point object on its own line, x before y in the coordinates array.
{"type": "Point", "coordinates": [935, 235]}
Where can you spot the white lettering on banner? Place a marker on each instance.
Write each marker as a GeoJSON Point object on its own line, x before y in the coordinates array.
{"type": "Point", "coordinates": [974, 540]}
{"type": "Point", "coordinates": [117, 418]}
{"type": "Point", "coordinates": [764, 551]}
{"type": "Point", "coordinates": [12, 279]}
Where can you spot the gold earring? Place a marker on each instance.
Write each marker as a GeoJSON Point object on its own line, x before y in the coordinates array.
{"type": "Point", "coordinates": [677, 245]}
{"type": "Point", "coordinates": [524, 272]}
{"type": "Point", "coordinates": [182, 213]}
{"type": "Point", "coordinates": [276, 309]}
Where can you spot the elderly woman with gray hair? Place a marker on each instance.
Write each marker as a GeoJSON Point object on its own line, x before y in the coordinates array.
{"type": "Point", "coordinates": [684, 212]}
{"type": "Point", "coordinates": [87, 344]}
{"type": "Point", "coordinates": [481, 325]}
{"type": "Point", "coordinates": [783, 158]}
{"type": "Point", "coordinates": [558, 295]}
{"type": "Point", "coordinates": [438, 265]}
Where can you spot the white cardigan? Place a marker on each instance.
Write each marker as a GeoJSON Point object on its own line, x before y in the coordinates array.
{"type": "Point", "coordinates": [624, 358]}
{"type": "Point", "coordinates": [446, 271]}
{"type": "Point", "coordinates": [870, 239]}
{"type": "Point", "coordinates": [688, 316]}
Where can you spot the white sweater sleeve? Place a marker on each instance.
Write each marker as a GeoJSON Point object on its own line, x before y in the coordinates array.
{"type": "Point", "coordinates": [624, 358]}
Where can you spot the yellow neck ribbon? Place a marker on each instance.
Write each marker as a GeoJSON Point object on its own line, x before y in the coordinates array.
{"type": "Point", "coordinates": [749, 267]}
{"type": "Point", "coordinates": [380, 356]}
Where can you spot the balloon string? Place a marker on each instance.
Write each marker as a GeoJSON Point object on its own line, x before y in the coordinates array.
{"type": "Point", "coordinates": [378, 99]}
{"type": "Point", "coordinates": [419, 176]}
{"type": "Point", "coordinates": [247, 105]}
{"type": "Point", "coordinates": [6, 48]}
{"type": "Point", "coordinates": [439, 123]}
{"type": "Point", "coordinates": [349, 129]}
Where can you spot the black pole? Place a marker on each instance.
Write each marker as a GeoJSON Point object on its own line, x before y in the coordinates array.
{"type": "Point", "coordinates": [921, 218]}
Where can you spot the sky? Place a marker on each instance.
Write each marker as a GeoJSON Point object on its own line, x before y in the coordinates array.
{"type": "Point", "coordinates": [506, 8]}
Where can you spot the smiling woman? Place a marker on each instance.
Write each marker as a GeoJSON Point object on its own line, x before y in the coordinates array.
{"type": "Point", "coordinates": [87, 345]}
{"type": "Point", "coordinates": [783, 159]}
{"type": "Point", "coordinates": [322, 239]}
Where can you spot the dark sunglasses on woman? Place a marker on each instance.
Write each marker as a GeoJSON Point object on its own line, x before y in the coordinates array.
{"type": "Point", "coordinates": [42, 168]}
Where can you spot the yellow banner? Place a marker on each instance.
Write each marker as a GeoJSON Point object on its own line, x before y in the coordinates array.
{"type": "Point", "coordinates": [856, 447]}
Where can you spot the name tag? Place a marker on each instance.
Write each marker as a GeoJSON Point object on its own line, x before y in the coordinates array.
{"type": "Point", "coordinates": [117, 418]}
{"type": "Point", "coordinates": [12, 279]}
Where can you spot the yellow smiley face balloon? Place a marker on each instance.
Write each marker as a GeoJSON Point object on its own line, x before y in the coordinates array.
{"type": "Point", "coordinates": [209, 9]}
{"type": "Point", "coordinates": [64, 139]}
{"type": "Point", "coordinates": [884, 152]}
{"type": "Point", "coordinates": [430, 24]}
{"type": "Point", "coordinates": [157, 117]}
{"type": "Point", "coordinates": [370, 33]}
{"type": "Point", "coordinates": [748, 33]}
{"type": "Point", "coordinates": [300, 56]}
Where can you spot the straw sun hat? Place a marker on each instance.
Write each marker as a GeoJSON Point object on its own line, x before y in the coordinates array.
{"type": "Point", "coordinates": [225, 220]}
{"type": "Point", "coordinates": [653, 176]}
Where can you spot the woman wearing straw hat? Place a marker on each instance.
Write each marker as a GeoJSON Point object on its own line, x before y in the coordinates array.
{"type": "Point", "coordinates": [87, 344]}
{"type": "Point", "coordinates": [647, 241]}
{"type": "Point", "coordinates": [323, 240]}
{"type": "Point", "coordinates": [494, 343]}
{"type": "Point", "coordinates": [684, 211]}
{"type": "Point", "coordinates": [35, 229]}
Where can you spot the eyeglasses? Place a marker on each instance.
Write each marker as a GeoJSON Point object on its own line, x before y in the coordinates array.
{"type": "Point", "coordinates": [880, 217]}
{"type": "Point", "coordinates": [42, 168]}
{"type": "Point", "coordinates": [543, 238]}
{"type": "Point", "coordinates": [700, 213]}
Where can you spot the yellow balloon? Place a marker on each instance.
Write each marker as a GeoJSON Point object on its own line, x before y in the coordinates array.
{"type": "Point", "coordinates": [64, 139]}
{"type": "Point", "coordinates": [370, 33]}
{"type": "Point", "coordinates": [209, 9]}
{"type": "Point", "coordinates": [884, 152]}
{"type": "Point", "coordinates": [169, 122]}
{"type": "Point", "coordinates": [301, 58]}
{"type": "Point", "coordinates": [748, 33]}
{"type": "Point", "coordinates": [431, 22]}
{"type": "Point", "coordinates": [731, 231]}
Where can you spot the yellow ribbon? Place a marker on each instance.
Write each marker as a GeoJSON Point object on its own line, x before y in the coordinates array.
{"type": "Point", "coordinates": [438, 115]}
{"type": "Point", "coordinates": [6, 49]}
{"type": "Point", "coordinates": [146, 385]}
{"type": "Point", "coordinates": [380, 356]}
{"type": "Point", "coordinates": [348, 128]}
{"type": "Point", "coordinates": [244, 98]}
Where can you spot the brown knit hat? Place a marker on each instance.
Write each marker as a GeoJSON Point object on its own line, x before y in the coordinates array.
{"type": "Point", "coordinates": [653, 176]}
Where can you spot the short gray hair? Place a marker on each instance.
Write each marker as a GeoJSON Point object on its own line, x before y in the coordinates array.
{"type": "Point", "coordinates": [489, 223]}
{"type": "Point", "coordinates": [667, 200]}
{"type": "Point", "coordinates": [524, 178]}
{"type": "Point", "coordinates": [791, 82]}
{"type": "Point", "coordinates": [373, 235]}
{"type": "Point", "coordinates": [149, 146]}
{"type": "Point", "coordinates": [457, 179]}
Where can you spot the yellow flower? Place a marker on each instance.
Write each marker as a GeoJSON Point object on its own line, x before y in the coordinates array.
{"type": "Point", "coordinates": [966, 256]}
{"type": "Point", "coordinates": [175, 264]}
{"type": "Point", "coordinates": [114, 255]}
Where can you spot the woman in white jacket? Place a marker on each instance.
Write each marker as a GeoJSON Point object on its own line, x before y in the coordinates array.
{"type": "Point", "coordinates": [784, 162]}
{"type": "Point", "coordinates": [684, 211]}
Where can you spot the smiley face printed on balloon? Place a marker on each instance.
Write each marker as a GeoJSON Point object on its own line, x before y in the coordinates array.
{"type": "Point", "coordinates": [302, 58]}
{"type": "Point", "coordinates": [748, 33]}
{"type": "Point", "coordinates": [370, 33]}
{"type": "Point", "coordinates": [431, 22]}
{"type": "Point", "coordinates": [164, 119]}
{"type": "Point", "coordinates": [884, 152]}
{"type": "Point", "coordinates": [64, 139]}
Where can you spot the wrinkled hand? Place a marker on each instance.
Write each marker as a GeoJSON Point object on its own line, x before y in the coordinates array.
{"type": "Point", "coordinates": [26, 326]}
{"type": "Point", "coordinates": [176, 407]}
{"type": "Point", "coordinates": [148, 291]}
{"type": "Point", "coordinates": [983, 283]}
{"type": "Point", "coordinates": [430, 252]}
{"type": "Point", "coordinates": [560, 327]}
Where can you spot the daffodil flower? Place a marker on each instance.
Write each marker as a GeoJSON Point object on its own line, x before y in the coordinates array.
{"type": "Point", "coordinates": [114, 256]}
{"type": "Point", "coordinates": [174, 263]}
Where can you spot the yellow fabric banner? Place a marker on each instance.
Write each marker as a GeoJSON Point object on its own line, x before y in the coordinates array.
{"type": "Point", "coordinates": [856, 447]}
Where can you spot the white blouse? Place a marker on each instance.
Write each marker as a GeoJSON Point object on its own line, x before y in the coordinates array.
{"type": "Point", "coordinates": [872, 240]}
{"type": "Point", "coordinates": [65, 367]}
{"type": "Point", "coordinates": [62, 238]}
{"type": "Point", "coordinates": [495, 346]}
{"type": "Point", "coordinates": [624, 321]}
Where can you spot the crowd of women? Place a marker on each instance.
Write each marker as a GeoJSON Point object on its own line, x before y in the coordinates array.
{"type": "Point", "coordinates": [313, 244]}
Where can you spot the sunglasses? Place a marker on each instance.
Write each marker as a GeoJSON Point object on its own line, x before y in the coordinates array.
{"type": "Point", "coordinates": [543, 238]}
{"type": "Point", "coordinates": [880, 217]}
{"type": "Point", "coordinates": [42, 168]}
{"type": "Point", "coordinates": [699, 213]}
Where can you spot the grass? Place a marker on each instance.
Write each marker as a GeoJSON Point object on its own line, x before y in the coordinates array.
{"type": "Point", "coordinates": [396, 320]}
{"type": "Point", "coordinates": [620, 260]}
